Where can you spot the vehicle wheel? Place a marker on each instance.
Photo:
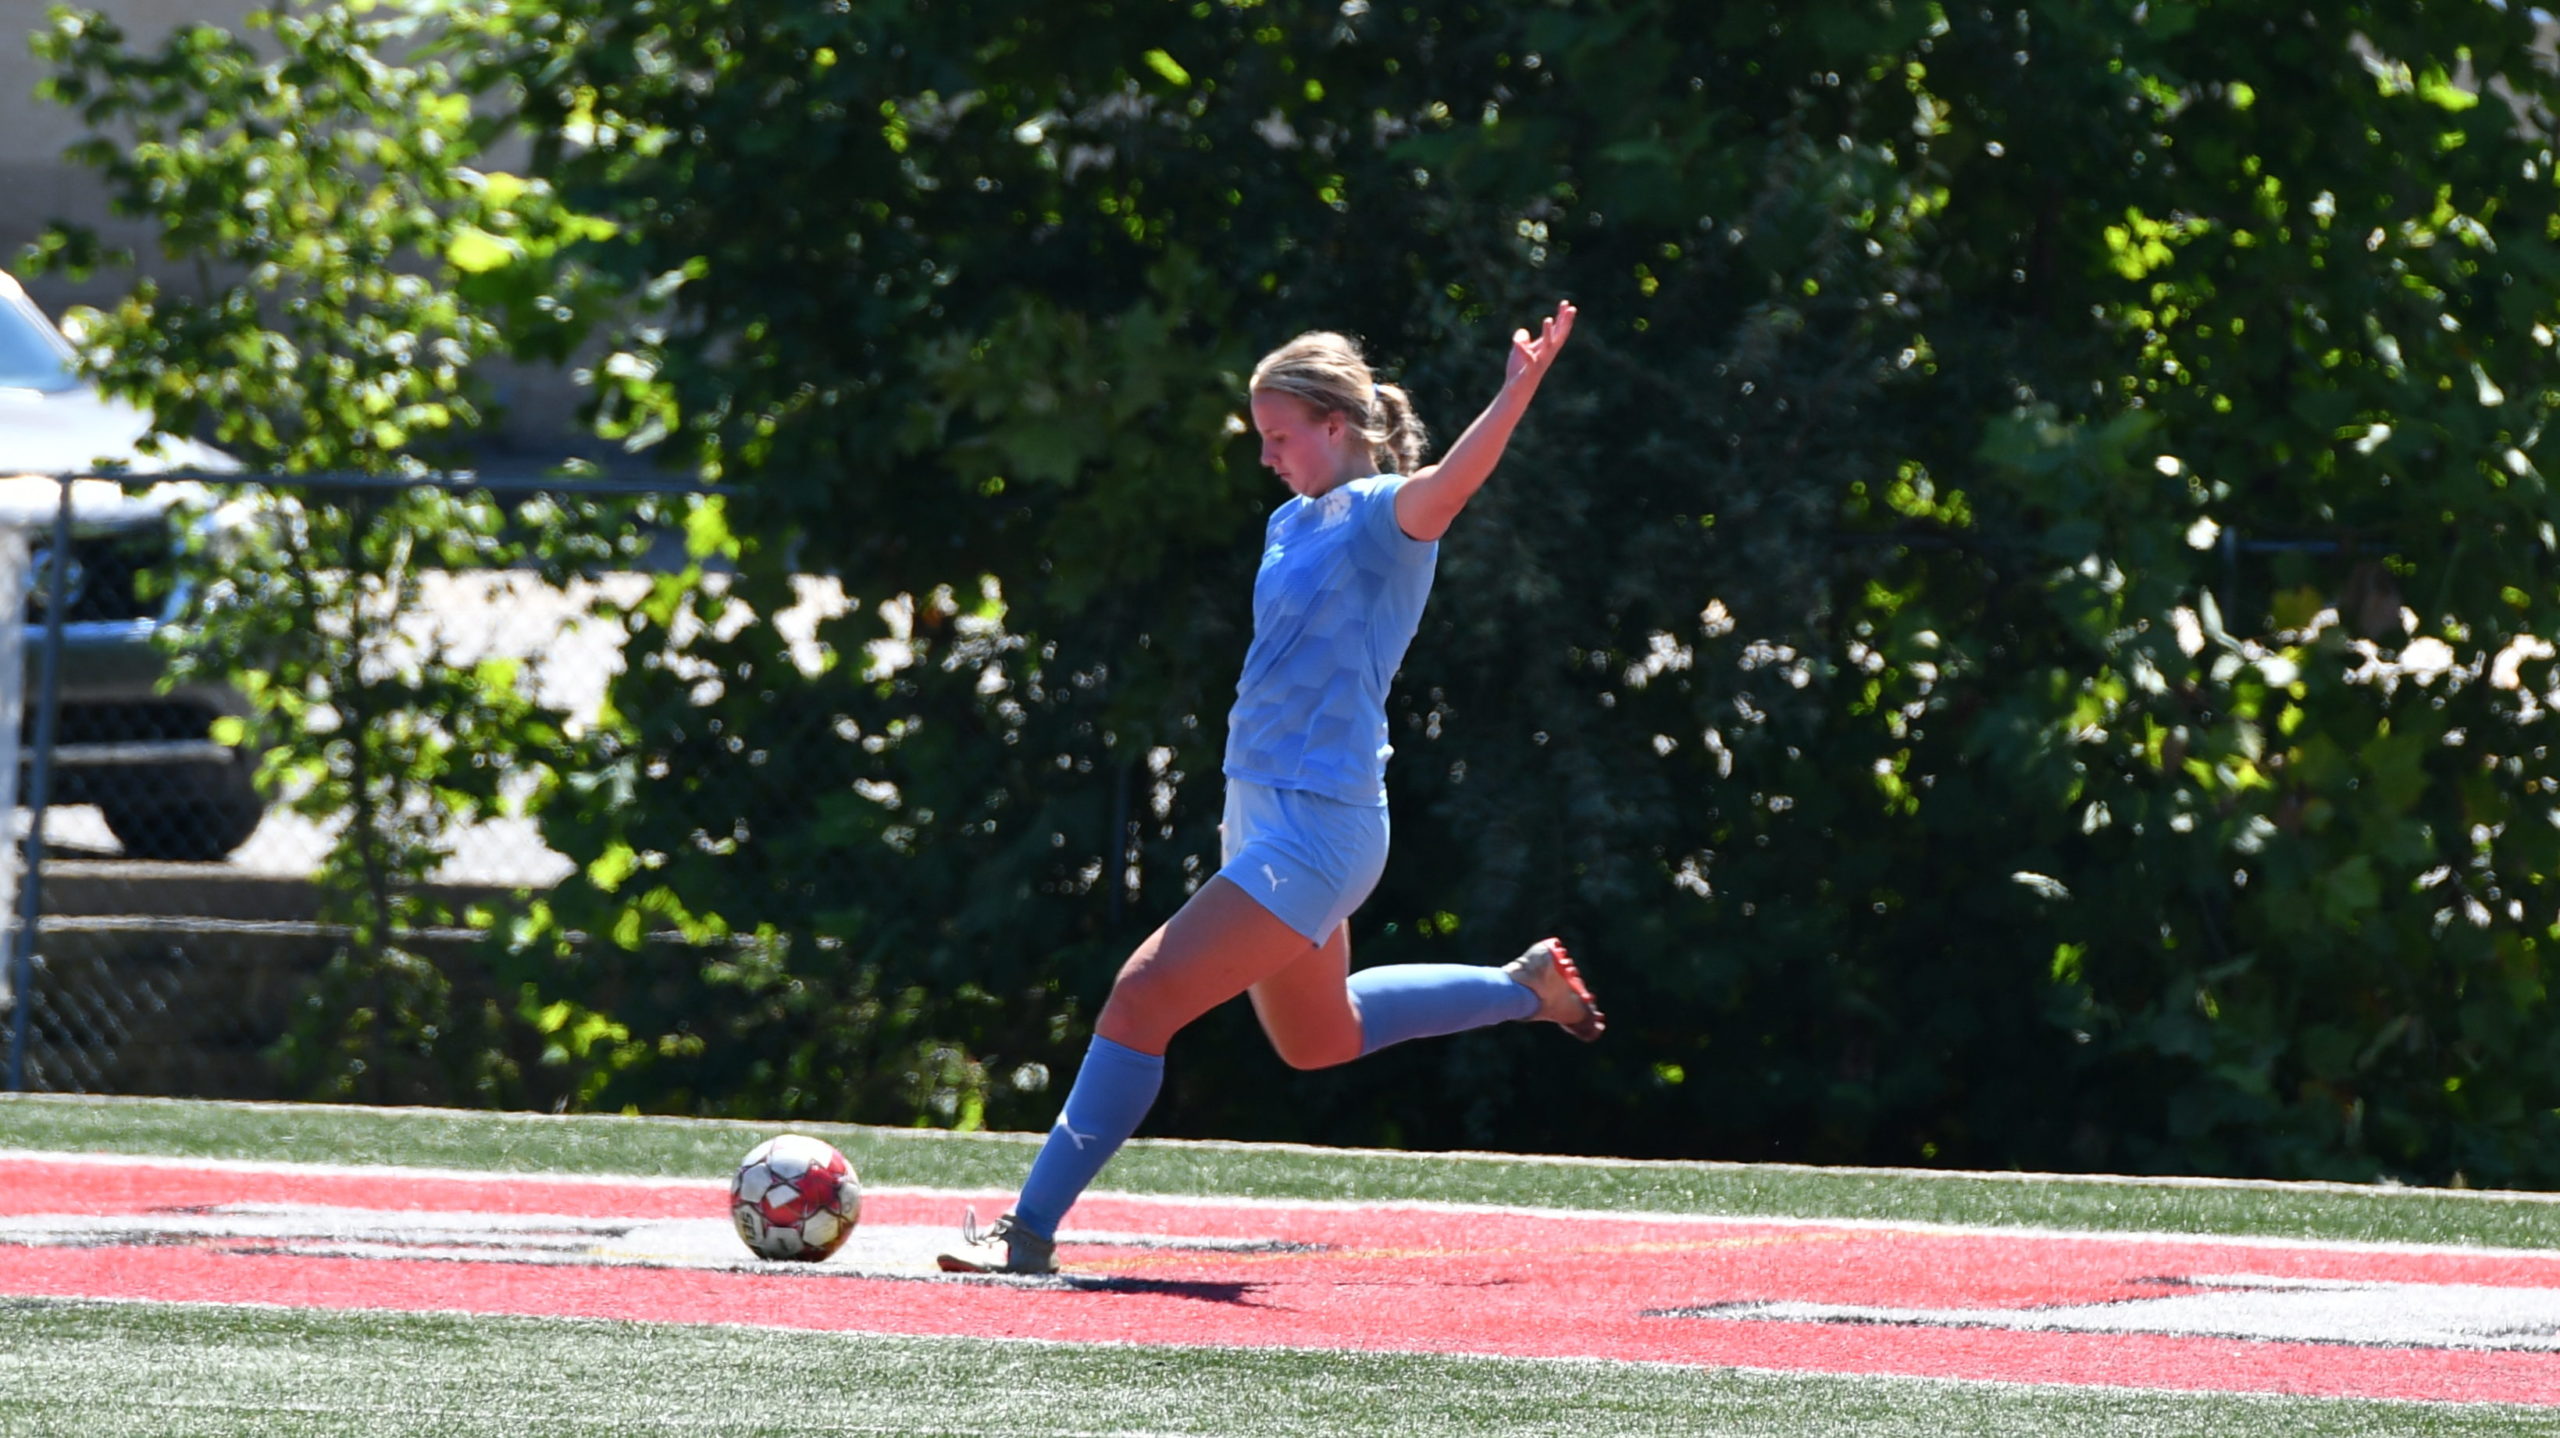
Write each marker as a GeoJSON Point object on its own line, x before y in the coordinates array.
{"type": "Point", "coordinates": [202, 826]}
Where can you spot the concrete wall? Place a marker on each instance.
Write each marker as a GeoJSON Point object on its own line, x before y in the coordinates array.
{"type": "Point", "coordinates": [38, 187]}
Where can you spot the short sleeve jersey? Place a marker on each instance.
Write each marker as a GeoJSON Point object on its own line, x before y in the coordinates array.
{"type": "Point", "coordinates": [1335, 606]}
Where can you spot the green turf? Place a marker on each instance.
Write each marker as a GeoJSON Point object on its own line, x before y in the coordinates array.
{"type": "Point", "coordinates": [707, 1149]}
{"type": "Point", "coordinates": [84, 1368]}
{"type": "Point", "coordinates": [77, 1367]}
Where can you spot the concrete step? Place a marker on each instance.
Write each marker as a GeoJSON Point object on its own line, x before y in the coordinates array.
{"type": "Point", "coordinates": [91, 887]}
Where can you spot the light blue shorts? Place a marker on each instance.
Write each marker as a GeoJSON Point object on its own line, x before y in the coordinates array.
{"type": "Point", "coordinates": [1308, 859]}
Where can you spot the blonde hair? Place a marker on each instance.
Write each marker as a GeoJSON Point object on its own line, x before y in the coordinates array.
{"type": "Point", "coordinates": [1327, 370]}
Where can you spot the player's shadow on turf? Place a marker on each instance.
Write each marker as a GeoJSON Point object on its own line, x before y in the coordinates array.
{"type": "Point", "coordinates": [1198, 1290]}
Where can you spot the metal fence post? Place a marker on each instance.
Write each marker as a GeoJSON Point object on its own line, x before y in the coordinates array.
{"type": "Point", "coordinates": [22, 973]}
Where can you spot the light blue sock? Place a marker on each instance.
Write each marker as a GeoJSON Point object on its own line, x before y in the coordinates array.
{"type": "Point", "coordinates": [1415, 1001]}
{"type": "Point", "coordinates": [1112, 1092]}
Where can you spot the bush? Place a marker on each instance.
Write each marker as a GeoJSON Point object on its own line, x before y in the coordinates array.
{"type": "Point", "coordinates": [2013, 639]}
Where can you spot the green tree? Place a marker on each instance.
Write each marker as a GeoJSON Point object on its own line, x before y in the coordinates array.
{"type": "Point", "coordinates": [2019, 636]}
{"type": "Point", "coordinates": [2324, 270]}
{"type": "Point", "coordinates": [336, 198]}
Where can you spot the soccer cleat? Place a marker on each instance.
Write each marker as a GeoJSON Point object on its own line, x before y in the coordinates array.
{"type": "Point", "coordinates": [1024, 1251]}
{"type": "Point", "coordinates": [1548, 971]}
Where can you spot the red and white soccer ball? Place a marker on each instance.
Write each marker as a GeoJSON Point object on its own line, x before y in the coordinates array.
{"type": "Point", "coordinates": [795, 1197]}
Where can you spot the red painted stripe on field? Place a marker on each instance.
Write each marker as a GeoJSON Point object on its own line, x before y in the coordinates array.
{"type": "Point", "coordinates": [1387, 1279]}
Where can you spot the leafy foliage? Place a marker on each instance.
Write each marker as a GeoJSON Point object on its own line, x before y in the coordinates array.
{"type": "Point", "coordinates": [2021, 634]}
{"type": "Point", "coordinates": [319, 183]}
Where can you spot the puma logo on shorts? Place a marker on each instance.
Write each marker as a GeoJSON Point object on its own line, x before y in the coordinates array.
{"type": "Point", "coordinates": [1308, 859]}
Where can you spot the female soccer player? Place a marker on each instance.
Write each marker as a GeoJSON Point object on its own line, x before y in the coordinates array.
{"type": "Point", "coordinates": [1346, 565]}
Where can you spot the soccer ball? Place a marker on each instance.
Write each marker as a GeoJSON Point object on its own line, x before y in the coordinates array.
{"type": "Point", "coordinates": [795, 1197]}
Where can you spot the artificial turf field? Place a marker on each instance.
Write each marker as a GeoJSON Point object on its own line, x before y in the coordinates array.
{"type": "Point", "coordinates": [271, 1341]}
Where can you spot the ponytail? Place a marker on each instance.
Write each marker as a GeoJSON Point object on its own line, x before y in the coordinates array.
{"type": "Point", "coordinates": [1397, 440]}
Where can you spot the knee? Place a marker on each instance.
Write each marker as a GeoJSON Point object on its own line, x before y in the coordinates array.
{"type": "Point", "coordinates": [1137, 1017]}
{"type": "Point", "coordinates": [1307, 1055]}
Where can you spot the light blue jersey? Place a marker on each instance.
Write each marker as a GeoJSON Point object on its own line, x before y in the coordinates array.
{"type": "Point", "coordinates": [1335, 606]}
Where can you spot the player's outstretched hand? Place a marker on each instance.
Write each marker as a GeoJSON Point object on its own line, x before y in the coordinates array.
{"type": "Point", "coordinates": [1530, 357]}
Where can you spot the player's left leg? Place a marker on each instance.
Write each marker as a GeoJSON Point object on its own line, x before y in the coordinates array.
{"type": "Point", "coordinates": [1217, 945]}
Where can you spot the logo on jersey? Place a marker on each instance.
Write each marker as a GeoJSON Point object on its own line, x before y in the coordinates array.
{"type": "Point", "coordinates": [1333, 509]}
{"type": "Point", "coordinates": [1274, 876]}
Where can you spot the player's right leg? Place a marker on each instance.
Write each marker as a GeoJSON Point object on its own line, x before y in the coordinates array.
{"type": "Point", "coordinates": [1318, 1013]}
{"type": "Point", "coordinates": [1307, 1010]}
{"type": "Point", "coordinates": [1320, 859]}
{"type": "Point", "coordinates": [1563, 999]}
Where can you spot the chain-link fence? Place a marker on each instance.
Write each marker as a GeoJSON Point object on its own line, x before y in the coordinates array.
{"type": "Point", "coordinates": [183, 910]}
{"type": "Point", "coordinates": [557, 793]}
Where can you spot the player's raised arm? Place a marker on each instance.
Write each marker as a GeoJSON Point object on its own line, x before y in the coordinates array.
{"type": "Point", "coordinates": [1431, 499]}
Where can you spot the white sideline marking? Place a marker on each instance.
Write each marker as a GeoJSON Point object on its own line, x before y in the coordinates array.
{"type": "Point", "coordinates": [322, 1231]}
{"type": "Point", "coordinates": [2253, 1307]}
{"type": "Point", "coordinates": [1180, 1202]}
{"type": "Point", "coordinates": [312, 1230]}
{"type": "Point", "coordinates": [299, 1230]}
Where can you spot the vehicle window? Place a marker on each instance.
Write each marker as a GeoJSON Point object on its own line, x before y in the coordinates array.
{"type": "Point", "coordinates": [30, 356]}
